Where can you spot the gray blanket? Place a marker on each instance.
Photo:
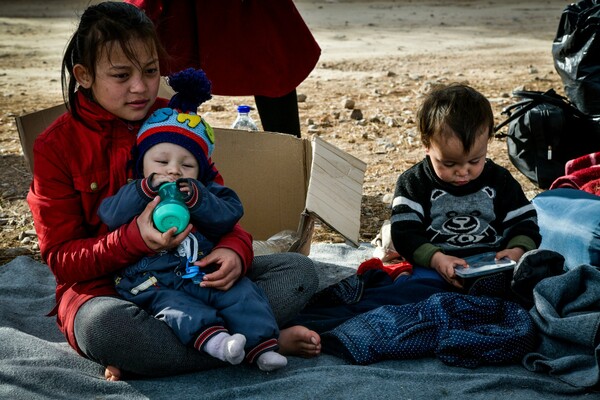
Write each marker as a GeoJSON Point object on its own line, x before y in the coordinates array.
{"type": "Point", "coordinates": [567, 312]}
{"type": "Point", "coordinates": [36, 362]}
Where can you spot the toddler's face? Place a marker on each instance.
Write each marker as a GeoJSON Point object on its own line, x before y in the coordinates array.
{"type": "Point", "coordinates": [170, 162]}
{"type": "Point", "coordinates": [450, 162]}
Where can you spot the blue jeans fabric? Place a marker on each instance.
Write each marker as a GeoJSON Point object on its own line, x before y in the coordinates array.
{"type": "Point", "coordinates": [569, 221]}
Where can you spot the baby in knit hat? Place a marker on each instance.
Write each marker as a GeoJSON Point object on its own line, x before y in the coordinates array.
{"type": "Point", "coordinates": [175, 145]}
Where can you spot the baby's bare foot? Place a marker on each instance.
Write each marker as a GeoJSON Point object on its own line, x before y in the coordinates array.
{"type": "Point", "coordinates": [299, 341]}
{"type": "Point", "coordinates": [112, 373]}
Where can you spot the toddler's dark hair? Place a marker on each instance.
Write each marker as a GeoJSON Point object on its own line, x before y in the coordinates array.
{"type": "Point", "coordinates": [105, 24]}
{"type": "Point", "coordinates": [456, 106]}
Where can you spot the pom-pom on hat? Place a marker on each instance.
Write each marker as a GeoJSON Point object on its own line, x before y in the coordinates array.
{"type": "Point", "coordinates": [179, 123]}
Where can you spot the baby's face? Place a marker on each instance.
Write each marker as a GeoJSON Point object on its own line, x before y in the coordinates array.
{"type": "Point", "coordinates": [170, 162]}
{"type": "Point", "coordinates": [450, 162]}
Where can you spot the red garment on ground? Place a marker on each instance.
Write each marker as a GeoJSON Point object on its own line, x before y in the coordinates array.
{"type": "Point", "coordinates": [582, 173]}
{"type": "Point", "coordinates": [393, 270]}
{"type": "Point", "coordinates": [246, 48]}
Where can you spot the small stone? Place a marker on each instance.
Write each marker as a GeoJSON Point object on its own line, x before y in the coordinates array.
{"type": "Point", "coordinates": [356, 114]}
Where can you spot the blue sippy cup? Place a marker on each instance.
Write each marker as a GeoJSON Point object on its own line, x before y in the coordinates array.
{"type": "Point", "coordinates": [171, 211]}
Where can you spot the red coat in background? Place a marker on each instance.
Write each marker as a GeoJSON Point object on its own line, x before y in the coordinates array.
{"type": "Point", "coordinates": [246, 47]}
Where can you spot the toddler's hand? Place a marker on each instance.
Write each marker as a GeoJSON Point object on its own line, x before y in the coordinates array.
{"type": "Point", "coordinates": [444, 265]}
{"type": "Point", "coordinates": [514, 254]}
{"type": "Point", "coordinates": [187, 188]}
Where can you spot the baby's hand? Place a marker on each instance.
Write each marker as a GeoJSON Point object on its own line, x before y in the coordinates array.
{"type": "Point", "coordinates": [514, 254]}
{"type": "Point", "coordinates": [184, 185]}
{"type": "Point", "coordinates": [158, 179]}
{"type": "Point", "coordinates": [187, 188]}
{"type": "Point", "coordinates": [444, 265]}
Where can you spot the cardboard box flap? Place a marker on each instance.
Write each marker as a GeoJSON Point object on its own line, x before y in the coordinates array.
{"type": "Point", "coordinates": [335, 189]}
{"type": "Point", "coordinates": [282, 180]}
{"type": "Point", "coordinates": [270, 174]}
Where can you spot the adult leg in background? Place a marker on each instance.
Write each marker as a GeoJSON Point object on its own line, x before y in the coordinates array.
{"type": "Point", "coordinates": [106, 325]}
{"type": "Point", "coordinates": [279, 114]}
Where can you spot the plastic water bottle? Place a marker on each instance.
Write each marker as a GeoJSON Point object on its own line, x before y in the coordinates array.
{"type": "Point", "coordinates": [243, 120]}
{"type": "Point", "coordinates": [171, 211]}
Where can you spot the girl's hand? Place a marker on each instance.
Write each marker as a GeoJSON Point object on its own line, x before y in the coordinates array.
{"type": "Point", "coordinates": [444, 265]}
{"type": "Point", "coordinates": [514, 254]}
{"type": "Point", "coordinates": [154, 239]}
{"type": "Point", "coordinates": [230, 268]}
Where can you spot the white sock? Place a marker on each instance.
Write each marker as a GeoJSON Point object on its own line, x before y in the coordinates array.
{"type": "Point", "coordinates": [227, 347]}
{"type": "Point", "coordinates": [270, 361]}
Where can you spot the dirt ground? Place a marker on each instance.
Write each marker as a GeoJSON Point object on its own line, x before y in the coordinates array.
{"type": "Point", "coordinates": [381, 55]}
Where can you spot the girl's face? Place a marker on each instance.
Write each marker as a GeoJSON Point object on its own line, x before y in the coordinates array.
{"type": "Point", "coordinates": [123, 87]}
{"type": "Point", "coordinates": [450, 162]}
{"type": "Point", "coordinates": [170, 162]}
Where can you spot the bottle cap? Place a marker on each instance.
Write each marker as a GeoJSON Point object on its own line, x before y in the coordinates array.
{"type": "Point", "coordinates": [243, 109]}
{"type": "Point", "coordinates": [168, 215]}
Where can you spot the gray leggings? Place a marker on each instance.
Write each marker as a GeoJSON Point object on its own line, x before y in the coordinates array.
{"type": "Point", "coordinates": [112, 331]}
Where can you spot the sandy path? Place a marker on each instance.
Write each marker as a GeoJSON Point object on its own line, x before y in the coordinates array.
{"type": "Point", "coordinates": [345, 30]}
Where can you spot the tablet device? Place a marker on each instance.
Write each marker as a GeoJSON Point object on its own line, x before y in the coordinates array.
{"type": "Point", "coordinates": [484, 264]}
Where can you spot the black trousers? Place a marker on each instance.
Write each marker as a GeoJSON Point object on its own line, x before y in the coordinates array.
{"type": "Point", "coordinates": [279, 114]}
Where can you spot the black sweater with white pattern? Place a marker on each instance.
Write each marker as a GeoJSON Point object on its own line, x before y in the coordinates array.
{"type": "Point", "coordinates": [490, 213]}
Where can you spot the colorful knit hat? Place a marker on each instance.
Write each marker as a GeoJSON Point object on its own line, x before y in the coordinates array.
{"type": "Point", "coordinates": [178, 123]}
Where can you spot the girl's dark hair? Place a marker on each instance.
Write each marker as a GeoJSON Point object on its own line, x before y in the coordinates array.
{"type": "Point", "coordinates": [105, 24]}
{"type": "Point", "coordinates": [458, 107]}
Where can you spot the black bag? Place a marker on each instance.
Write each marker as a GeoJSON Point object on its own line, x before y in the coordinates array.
{"type": "Point", "coordinates": [545, 132]}
{"type": "Point", "coordinates": [576, 53]}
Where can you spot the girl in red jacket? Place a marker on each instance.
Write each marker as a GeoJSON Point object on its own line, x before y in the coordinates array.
{"type": "Point", "coordinates": [111, 78]}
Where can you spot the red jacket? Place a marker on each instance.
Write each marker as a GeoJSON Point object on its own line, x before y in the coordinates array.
{"type": "Point", "coordinates": [245, 47]}
{"type": "Point", "coordinates": [75, 167]}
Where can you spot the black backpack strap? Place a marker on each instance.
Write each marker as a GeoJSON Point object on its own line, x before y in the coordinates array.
{"type": "Point", "coordinates": [522, 108]}
{"type": "Point", "coordinates": [532, 99]}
